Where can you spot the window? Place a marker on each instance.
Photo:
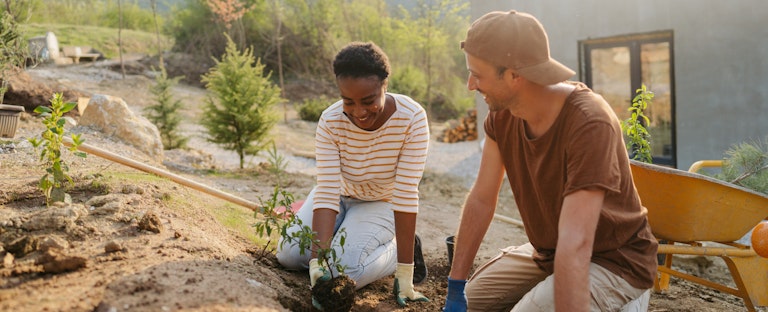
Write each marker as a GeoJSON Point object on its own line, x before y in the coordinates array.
{"type": "Point", "coordinates": [617, 66]}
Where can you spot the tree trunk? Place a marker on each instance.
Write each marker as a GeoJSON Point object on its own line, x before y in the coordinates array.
{"type": "Point", "coordinates": [157, 33]}
{"type": "Point", "coordinates": [120, 37]}
{"type": "Point", "coordinates": [279, 39]}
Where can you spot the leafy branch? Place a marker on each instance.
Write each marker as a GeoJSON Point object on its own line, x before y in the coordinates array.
{"type": "Point", "coordinates": [306, 239]}
{"type": "Point", "coordinates": [274, 220]}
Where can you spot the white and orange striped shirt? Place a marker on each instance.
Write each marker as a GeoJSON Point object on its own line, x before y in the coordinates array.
{"type": "Point", "coordinates": [381, 165]}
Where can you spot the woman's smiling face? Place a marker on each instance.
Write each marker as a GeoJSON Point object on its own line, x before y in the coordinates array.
{"type": "Point", "coordinates": [364, 100]}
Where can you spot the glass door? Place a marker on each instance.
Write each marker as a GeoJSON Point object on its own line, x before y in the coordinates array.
{"type": "Point", "coordinates": [616, 67]}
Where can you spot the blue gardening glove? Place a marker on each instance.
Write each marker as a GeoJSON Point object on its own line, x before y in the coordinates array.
{"type": "Point", "coordinates": [317, 272]}
{"type": "Point", "coordinates": [456, 300]}
{"type": "Point", "coordinates": [403, 288]}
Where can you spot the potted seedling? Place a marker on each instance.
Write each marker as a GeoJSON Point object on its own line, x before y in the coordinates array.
{"type": "Point", "coordinates": [336, 293]}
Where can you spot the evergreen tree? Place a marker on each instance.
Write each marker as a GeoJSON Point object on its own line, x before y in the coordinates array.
{"type": "Point", "coordinates": [746, 164]}
{"type": "Point", "coordinates": [13, 50]}
{"type": "Point", "coordinates": [165, 114]}
{"type": "Point", "coordinates": [239, 113]}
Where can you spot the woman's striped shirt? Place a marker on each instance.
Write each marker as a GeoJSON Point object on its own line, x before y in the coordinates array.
{"type": "Point", "coordinates": [385, 164]}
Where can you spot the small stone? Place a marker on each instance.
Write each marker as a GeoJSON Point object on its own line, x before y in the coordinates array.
{"type": "Point", "coordinates": [24, 245]}
{"type": "Point", "coordinates": [151, 222]}
{"type": "Point", "coordinates": [113, 246]}
{"type": "Point", "coordinates": [54, 262]}
{"type": "Point", "coordinates": [51, 242]}
{"type": "Point", "coordinates": [8, 260]}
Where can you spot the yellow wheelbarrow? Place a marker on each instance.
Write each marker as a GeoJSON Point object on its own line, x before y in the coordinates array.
{"type": "Point", "coordinates": [687, 209]}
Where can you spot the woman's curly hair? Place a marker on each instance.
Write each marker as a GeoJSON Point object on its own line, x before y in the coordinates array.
{"type": "Point", "coordinates": [361, 59]}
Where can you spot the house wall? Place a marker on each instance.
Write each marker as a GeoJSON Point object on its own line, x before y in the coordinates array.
{"type": "Point", "coordinates": [720, 59]}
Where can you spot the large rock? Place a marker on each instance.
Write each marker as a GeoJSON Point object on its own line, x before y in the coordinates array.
{"type": "Point", "coordinates": [113, 117]}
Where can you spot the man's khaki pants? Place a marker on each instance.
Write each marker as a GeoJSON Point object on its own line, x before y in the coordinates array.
{"type": "Point", "coordinates": [512, 281]}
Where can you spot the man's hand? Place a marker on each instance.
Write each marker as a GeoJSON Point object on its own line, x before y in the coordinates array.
{"type": "Point", "coordinates": [403, 288]}
{"type": "Point", "coordinates": [456, 300]}
{"type": "Point", "coordinates": [317, 272]}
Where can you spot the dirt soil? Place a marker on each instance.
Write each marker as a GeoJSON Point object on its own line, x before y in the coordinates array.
{"type": "Point", "coordinates": [131, 241]}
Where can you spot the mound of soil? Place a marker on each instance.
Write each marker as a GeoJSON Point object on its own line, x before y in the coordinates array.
{"type": "Point", "coordinates": [336, 294]}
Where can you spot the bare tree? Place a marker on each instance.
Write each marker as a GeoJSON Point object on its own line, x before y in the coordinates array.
{"type": "Point", "coordinates": [120, 37]}
{"type": "Point", "coordinates": [157, 32]}
{"type": "Point", "coordinates": [278, 5]}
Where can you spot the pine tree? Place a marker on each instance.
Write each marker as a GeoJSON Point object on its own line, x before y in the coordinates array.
{"type": "Point", "coordinates": [239, 113]}
{"type": "Point", "coordinates": [746, 164]}
{"type": "Point", "coordinates": [165, 114]}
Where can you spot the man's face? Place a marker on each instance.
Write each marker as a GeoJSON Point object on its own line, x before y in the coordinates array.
{"type": "Point", "coordinates": [486, 79]}
{"type": "Point", "coordinates": [363, 100]}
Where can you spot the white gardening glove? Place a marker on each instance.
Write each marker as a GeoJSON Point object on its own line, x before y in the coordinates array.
{"type": "Point", "coordinates": [317, 272]}
{"type": "Point", "coordinates": [403, 288]}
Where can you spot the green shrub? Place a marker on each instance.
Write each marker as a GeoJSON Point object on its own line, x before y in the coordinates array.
{"type": "Point", "coordinates": [311, 109]}
{"type": "Point", "coordinates": [240, 111]}
{"type": "Point", "coordinates": [409, 80]}
{"type": "Point", "coordinates": [165, 112]}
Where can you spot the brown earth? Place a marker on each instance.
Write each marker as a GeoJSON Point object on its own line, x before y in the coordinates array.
{"type": "Point", "coordinates": [134, 242]}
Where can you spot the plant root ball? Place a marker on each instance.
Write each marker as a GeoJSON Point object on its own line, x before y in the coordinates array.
{"type": "Point", "coordinates": [336, 294]}
{"type": "Point", "coordinates": [760, 239]}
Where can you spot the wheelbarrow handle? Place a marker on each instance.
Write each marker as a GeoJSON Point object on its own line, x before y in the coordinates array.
{"type": "Point", "coordinates": [695, 167]}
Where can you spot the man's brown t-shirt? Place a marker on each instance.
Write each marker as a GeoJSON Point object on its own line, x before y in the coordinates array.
{"type": "Point", "coordinates": [584, 148]}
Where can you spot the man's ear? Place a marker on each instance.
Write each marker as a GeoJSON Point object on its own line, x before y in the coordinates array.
{"type": "Point", "coordinates": [512, 74]}
{"type": "Point", "coordinates": [511, 77]}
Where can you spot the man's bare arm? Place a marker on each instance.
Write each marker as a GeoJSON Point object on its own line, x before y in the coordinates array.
{"type": "Point", "coordinates": [477, 214]}
{"type": "Point", "coordinates": [576, 235]}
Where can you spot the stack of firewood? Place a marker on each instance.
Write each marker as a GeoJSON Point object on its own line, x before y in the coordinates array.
{"type": "Point", "coordinates": [465, 130]}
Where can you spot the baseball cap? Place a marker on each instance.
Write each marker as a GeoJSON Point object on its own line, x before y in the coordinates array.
{"type": "Point", "coordinates": [517, 41]}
